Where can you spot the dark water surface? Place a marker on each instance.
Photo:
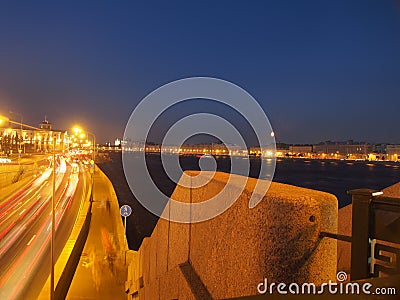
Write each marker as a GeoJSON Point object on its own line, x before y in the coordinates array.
{"type": "Point", "coordinates": [336, 177]}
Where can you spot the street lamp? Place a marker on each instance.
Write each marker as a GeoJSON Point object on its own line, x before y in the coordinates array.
{"type": "Point", "coordinates": [53, 200]}
{"type": "Point", "coordinates": [4, 120]}
{"type": "Point", "coordinates": [79, 131]}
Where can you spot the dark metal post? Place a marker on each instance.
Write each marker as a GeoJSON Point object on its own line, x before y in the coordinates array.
{"type": "Point", "coordinates": [94, 164]}
{"type": "Point", "coordinates": [360, 247]}
{"type": "Point", "coordinates": [53, 221]}
{"type": "Point", "coordinates": [125, 235]}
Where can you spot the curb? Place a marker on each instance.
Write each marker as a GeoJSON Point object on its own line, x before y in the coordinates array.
{"type": "Point", "coordinates": [71, 253]}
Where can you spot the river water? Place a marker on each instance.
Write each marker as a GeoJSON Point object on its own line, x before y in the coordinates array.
{"type": "Point", "coordinates": [333, 176]}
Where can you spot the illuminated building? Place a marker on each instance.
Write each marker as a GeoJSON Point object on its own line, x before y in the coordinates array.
{"type": "Point", "coordinates": [40, 140]}
{"type": "Point", "coordinates": [347, 149]}
{"type": "Point", "coordinates": [301, 150]}
{"type": "Point", "coordinates": [393, 152]}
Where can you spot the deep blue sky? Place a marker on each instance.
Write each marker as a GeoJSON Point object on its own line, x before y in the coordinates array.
{"type": "Point", "coordinates": [320, 69]}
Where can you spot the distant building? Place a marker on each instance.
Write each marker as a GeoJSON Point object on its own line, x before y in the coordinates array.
{"type": "Point", "coordinates": [282, 149]}
{"type": "Point", "coordinates": [282, 146]}
{"type": "Point", "coordinates": [185, 149]}
{"type": "Point", "coordinates": [43, 139]}
{"type": "Point", "coordinates": [153, 148]}
{"type": "Point", "coordinates": [213, 148]}
{"type": "Point", "coordinates": [343, 149]}
{"type": "Point", "coordinates": [393, 152]}
{"type": "Point", "coordinates": [379, 148]}
{"type": "Point", "coordinates": [45, 125]}
{"type": "Point", "coordinates": [301, 150]}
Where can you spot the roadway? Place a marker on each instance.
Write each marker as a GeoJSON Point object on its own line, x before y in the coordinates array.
{"type": "Point", "coordinates": [25, 228]}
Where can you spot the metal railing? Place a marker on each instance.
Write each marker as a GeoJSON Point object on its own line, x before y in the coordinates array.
{"type": "Point", "coordinates": [375, 246]}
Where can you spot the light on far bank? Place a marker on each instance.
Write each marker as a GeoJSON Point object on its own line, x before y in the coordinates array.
{"type": "Point", "coordinates": [77, 129]}
{"type": "Point", "coordinates": [3, 120]}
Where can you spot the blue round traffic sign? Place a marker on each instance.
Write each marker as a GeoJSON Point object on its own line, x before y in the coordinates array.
{"type": "Point", "coordinates": [125, 210]}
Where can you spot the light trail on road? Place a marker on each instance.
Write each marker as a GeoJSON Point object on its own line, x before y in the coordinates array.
{"type": "Point", "coordinates": [25, 227]}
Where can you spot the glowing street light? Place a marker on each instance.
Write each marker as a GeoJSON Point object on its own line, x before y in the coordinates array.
{"type": "Point", "coordinates": [4, 121]}
{"type": "Point", "coordinates": [53, 221]}
{"type": "Point", "coordinates": [82, 133]}
{"type": "Point", "coordinates": [77, 129]}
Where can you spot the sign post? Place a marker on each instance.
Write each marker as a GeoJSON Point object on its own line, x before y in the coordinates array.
{"type": "Point", "coordinates": [125, 211]}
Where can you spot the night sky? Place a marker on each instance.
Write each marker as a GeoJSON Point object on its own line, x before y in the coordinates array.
{"type": "Point", "coordinates": [321, 70]}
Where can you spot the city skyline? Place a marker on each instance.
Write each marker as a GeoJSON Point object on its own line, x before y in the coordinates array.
{"type": "Point", "coordinates": [194, 140]}
{"type": "Point", "coordinates": [321, 71]}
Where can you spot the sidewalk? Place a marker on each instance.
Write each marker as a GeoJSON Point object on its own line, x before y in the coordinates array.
{"type": "Point", "coordinates": [101, 272]}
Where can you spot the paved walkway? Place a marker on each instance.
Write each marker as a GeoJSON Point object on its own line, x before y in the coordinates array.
{"type": "Point", "coordinates": [101, 272]}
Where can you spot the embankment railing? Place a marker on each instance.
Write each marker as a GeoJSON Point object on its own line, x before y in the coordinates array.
{"type": "Point", "coordinates": [375, 247]}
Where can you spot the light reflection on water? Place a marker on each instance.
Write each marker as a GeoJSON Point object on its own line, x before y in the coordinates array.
{"type": "Point", "coordinates": [337, 177]}
{"type": "Point", "coordinates": [332, 176]}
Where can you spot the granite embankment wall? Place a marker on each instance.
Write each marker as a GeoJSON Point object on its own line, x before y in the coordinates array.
{"type": "Point", "coordinates": [229, 255]}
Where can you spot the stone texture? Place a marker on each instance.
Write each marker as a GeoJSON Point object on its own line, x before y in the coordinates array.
{"type": "Point", "coordinates": [133, 272]}
{"type": "Point", "coordinates": [233, 252]}
{"type": "Point", "coordinates": [145, 259]}
{"type": "Point", "coordinates": [153, 249]}
{"type": "Point", "coordinates": [178, 232]}
{"type": "Point", "coordinates": [185, 293]}
{"type": "Point", "coordinates": [344, 248]}
{"type": "Point", "coordinates": [170, 284]}
{"type": "Point", "coordinates": [392, 191]}
{"type": "Point", "coordinates": [276, 239]}
{"type": "Point", "coordinates": [142, 295]}
{"type": "Point", "coordinates": [152, 291]}
{"type": "Point", "coordinates": [162, 246]}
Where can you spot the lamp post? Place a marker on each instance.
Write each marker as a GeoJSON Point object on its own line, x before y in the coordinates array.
{"type": "Point", "coordinates": [4, 122]}
{"type": "Point", "coordinates": [53, 221]}
{"type": "Point", "coordinates": [92, 163]}
{"type": "Point", "coordinates": [78, 130]}
{"type": "Point", "coordinates": [125, 211]}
